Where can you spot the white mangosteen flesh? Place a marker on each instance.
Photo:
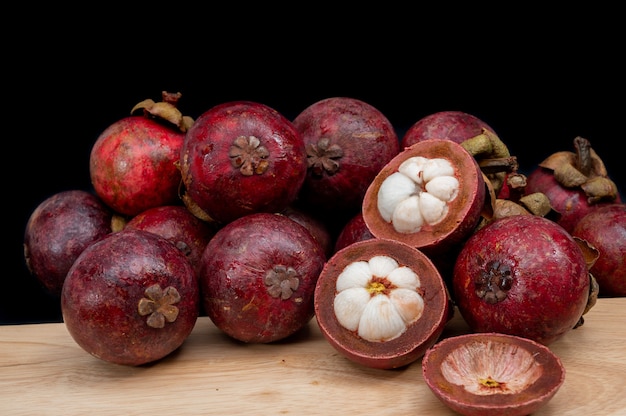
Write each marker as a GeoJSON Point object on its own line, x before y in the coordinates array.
{"type": "Point", "coordinates": [418, 193]}
{"type": "Point", "coordinates": [378, 298]}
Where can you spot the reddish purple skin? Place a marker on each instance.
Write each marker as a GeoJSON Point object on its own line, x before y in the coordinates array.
{"type": "Point", "coordinates": [316, 227]}
{"type": "Point", "coordinates": [100, 298]}
{"type": "Point", "coordinates": [133, 165]}
{"type": "Point", "coordinates": [368, 141]}
{"type": "Point", "coordinates": [58, 230]}
{"type": "Point", "coordinates": [178, 225]}
{"type": "Point", "coordinates": [220, 189]}
{"type": "Point", "coordinates": [235, 264]}
{"type": "Point", "coordinates": [450, 125]}
{"type": "Point", "coordinates": [550, 280]}
{"type": "Point", "coordinates": [354, 230]}
{"type": "Point", "coordinates": [570, 203]}
{"type": "Point", "coordinates": [605, 229]}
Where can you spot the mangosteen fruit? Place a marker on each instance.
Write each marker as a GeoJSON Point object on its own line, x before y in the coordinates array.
{"type": "Point", "coordinates": [354, 230]}
{"type": "Point", "coordinates": [429, 196]}
{"type": "Point", "coordinates": [381, 303]}
{"type": "Point", "coordinates": [59, 229]}
{"type": "Point", "coordinates": [131, 298]}
{"type": "Point", "coordinates": [492, 374]}
{"type": "Point", "coordinates": [605, 229]}
{"type": "Point", "coordinates": [347, 142]}
{"type": "Point", "coordinates": [318, 228]}
{"type": "Point", "coordinates": [574, 182]}
{"type": "Point", "coordinates": [133, 164]}
{"type": "Point", "coordinates": [454, 125]}
{"type": "Point", "coordinates": [258, 277]}
{"type": "Point", "coordinates": [475, 135]}
{"type": "Point", "coordinates": [239, 158]}
{"type": "Point", "coordinates": [522, 275]}
{"type": "Point", "coordinates": [178, 225]}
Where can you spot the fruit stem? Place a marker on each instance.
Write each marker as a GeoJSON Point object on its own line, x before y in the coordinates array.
{"type": "Point", "coordinates": [583, 155]}
{"type": "Point", "coordinates": [501, 164]}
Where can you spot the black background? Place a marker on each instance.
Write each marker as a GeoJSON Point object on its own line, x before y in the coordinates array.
{"type": "Point", "coordinates": [67, 79]}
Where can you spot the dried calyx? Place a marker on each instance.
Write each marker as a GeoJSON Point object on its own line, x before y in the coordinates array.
{"type": "Point", "coordinates": [493, 157]}
{"type": "Point", "coordinates": [165, 111]}
{"type": "Point", "coordinates": [584, 170]}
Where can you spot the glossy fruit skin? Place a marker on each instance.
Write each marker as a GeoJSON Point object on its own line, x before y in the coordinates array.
{"type": "Point", "coordinates": [571, 203]}
{"type": "Point", "coordinates": [217, 182]}
{"type": "Point", "coordinates": [354, 230]}
{"type": "Point", "coordinates": [318, 228]}
{"type": "Point", "coordinates": [58, 230]}
{"type": "Point", "coordinates": [105, 286]}
{"type": "Point", "coordinates": [605, 229]}
{"type": "Point", "coordinates": [132, 165]}
{"type": "Point", "coordinates": [457, 126]}
{"type": "Point", "coordinates": [544, 284]}
{"type": "Point", "coordinates": [245, 279]}
{"type": "Point", "coordinates": [366, 141]}
{"type": "Point", "coordinates": [419, 336]}
{"type": "Point", "coordinates": [178, 225]}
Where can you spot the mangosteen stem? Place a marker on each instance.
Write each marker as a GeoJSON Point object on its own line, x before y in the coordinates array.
{"type": "Point", "coordinates": [583, 154]}
{"type": "Point", "coordinates": [170, 97]}
{"type": "Point", "coordinates": [500, 164]}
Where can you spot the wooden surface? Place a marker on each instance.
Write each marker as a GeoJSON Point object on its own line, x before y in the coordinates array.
{"type": "Point", "coordinates": [44, 372]}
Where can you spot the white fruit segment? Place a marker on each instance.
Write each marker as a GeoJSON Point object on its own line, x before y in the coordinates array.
{"type": "Point", "coordinates": [478, 365]}
{"type": "Point", "coordinates": [378, 299]}
{"type": "Point", "coordinates": [418, 193]}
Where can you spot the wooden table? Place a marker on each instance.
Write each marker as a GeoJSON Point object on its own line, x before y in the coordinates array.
{"type": "Point", "coordinates": [44, 372]}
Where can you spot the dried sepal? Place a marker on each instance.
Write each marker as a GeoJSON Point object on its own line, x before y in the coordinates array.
{"type": "Point", "coordinates": [597, 165]}
{"type": "Point", "coordinates": [568, 176]}
{"type": "Point", "coordinates": [505, 208]}
{"type": "Point", "coordinates": [195, 208]}
{"type": "Point", "coordinates": [492, 156]}
{"type": "Point", "coordinates": [165, 110]}
{"type": "Point", "coordinates": [558, 158]}
{"type": "Point", "coordinates": [486, 144]}
{"type": "Point", "coordinates": [590, 252]}
{"type": "Point", "coordinates": [599, 188]}
{"type": "Point", "coordinates": [490, 199]}
{"type": "Point", "coordinates": [537, 203]}
{"type": "Point", "coordinates": [594, 290]}
{"type": "Point", "coordinates": [515, 185]}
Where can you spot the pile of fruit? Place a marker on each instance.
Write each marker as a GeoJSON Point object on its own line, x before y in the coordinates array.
{"type": "Point", "coordinates": [263, 223]}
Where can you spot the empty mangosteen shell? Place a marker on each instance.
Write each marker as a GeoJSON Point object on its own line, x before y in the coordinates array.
{"type": "Point", "coordinates": [525, 402]}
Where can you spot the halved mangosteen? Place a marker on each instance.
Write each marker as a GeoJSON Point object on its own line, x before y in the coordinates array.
{"type": "Point", "coordinates": [430, 196]}
{"type": "Point", "coordinates": [381, 303]}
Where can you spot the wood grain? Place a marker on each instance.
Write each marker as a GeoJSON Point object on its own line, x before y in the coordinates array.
{"type": "Point", "coordinates": [44, 372]}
